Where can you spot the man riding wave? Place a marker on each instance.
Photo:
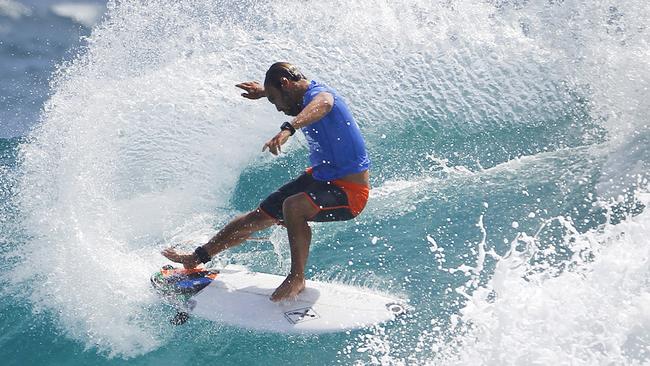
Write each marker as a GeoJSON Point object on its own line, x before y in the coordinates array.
{"type": "Point", "coordinates": [334, 188]}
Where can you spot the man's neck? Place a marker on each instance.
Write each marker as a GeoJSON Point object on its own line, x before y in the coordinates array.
{"type": "Point", "coordinates": [302, 86]}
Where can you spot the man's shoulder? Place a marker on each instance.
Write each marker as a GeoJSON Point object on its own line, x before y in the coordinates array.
{"type": "Point", "coordinates": [316, 88]}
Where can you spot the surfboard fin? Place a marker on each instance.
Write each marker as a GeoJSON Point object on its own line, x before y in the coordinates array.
{"type": "Point", "coordinates": [180, 318]}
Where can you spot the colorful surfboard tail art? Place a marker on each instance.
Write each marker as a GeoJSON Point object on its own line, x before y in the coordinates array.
{"type": "Point", "coordinates": [182, 283]}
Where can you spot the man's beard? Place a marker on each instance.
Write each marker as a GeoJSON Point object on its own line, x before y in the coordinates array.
{"type": "Point", "coordinates": [295, 110]}
{"type": "Point", "coordinates": [295, 107]}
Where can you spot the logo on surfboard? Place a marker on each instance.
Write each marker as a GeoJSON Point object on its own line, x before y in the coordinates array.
{"type": "Point", "coordinates": [301, 315]}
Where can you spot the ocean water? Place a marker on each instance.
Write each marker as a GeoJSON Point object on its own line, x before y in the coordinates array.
{"type": "Point", "coordinates": [510, 143]}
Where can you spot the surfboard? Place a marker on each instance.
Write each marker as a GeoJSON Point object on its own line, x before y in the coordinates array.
{"type": "Point", "coordinates": [239, 297]}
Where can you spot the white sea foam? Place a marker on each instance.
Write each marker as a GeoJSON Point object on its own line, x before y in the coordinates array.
{"type": "Point", "coordinates": [595, 312]}
{"type": "Point", "coordinates": [590, 308]}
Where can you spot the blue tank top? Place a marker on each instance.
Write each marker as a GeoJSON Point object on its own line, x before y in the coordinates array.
{"type": "Point", "coordinates": [336, 147]}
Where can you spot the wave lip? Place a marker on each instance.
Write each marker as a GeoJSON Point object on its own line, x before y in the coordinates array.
{"type": "Point", "coordinates": [85, 14]}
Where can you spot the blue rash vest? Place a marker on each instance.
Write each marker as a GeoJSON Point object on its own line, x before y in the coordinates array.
{"type": "Point", "coordinates": [336, 147]}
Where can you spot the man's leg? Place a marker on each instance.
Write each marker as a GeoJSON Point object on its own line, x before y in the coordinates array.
{"type": "Point", "coordinates": [238, 230]}
{"type": "Point", "coordinates": [232, 234]}
{"type": "Point", "coordinates": [296, 210]}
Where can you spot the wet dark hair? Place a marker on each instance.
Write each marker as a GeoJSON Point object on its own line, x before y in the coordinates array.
{"type": "Point", "coordinates": [281, 70]}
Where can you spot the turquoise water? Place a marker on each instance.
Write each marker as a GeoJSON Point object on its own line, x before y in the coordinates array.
{"type": "Point", "coordinates": [510, 154]}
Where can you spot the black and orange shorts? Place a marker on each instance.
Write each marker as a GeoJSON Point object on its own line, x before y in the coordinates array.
{"type": "Point", "coordinates": [336, 200]}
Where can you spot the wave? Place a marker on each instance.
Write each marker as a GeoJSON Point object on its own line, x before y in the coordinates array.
{"type": "Point", "coordinates": [594, 311]}
{"type": "Point", "coordinates": [145, 138]}
{"type": "Point", "coordinates": [541, 305]}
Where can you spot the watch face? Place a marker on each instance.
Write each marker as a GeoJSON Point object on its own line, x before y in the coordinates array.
{"type": "Point", "coordinates": [287, 126]}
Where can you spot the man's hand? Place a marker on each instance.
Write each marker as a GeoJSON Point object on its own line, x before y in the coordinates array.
{"type": "Point", "coordinates": [254, 90]}
{"type": "Point", "coordinates": [274, 144]}
{"type": "Point", "coordinates": [189, 261]}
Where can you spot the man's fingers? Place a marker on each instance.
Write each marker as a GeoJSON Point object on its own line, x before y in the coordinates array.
{"type": "Point", "coordinates": [247, 85]}
{"type": "Point", "coordinates": [274, 145]}
{"type": "Point", "coordinates": [277, 144]}
{"type": "Point", "coordinates": [268, 145]}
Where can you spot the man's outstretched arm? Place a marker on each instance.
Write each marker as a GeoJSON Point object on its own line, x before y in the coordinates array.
{"type": "Point", "coordinates": [254, 90]}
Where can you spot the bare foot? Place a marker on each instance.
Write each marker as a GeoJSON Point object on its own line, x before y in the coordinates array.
{"type": "Point", "coordinates": [290, 288]}
{"type": "Point", "coordinates": [188, 260]}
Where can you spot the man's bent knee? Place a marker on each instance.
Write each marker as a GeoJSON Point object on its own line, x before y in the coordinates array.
{"type": "Point", "coordinates": [299, 205]}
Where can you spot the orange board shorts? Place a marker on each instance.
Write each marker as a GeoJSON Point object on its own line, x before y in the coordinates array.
{"type": "Point", "coordinates": [336, 200]}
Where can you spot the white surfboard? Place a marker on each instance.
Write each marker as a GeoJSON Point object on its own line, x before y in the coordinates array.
{"type": "Point", "coordinates": [240, 298]}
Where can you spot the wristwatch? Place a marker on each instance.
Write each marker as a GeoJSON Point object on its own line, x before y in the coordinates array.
{"type": "Point", "coordinates": [202, 255]}
{"type": "Point", "coordinates": [288, 127]}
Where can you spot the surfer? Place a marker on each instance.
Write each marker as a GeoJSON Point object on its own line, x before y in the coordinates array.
{"type": "Point", "coordinates": [334, 188]}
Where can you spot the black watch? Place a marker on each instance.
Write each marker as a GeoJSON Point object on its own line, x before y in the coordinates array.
{"type": "Point", "coordinates": [288, 127]}
{"type": "Point", "coordinates": [202, 255]}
